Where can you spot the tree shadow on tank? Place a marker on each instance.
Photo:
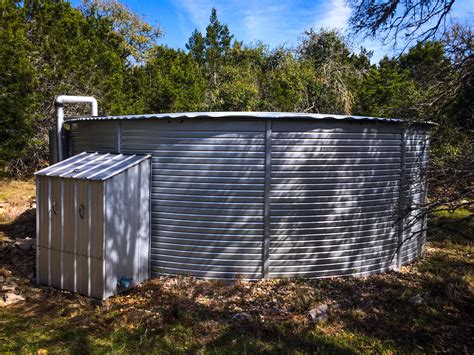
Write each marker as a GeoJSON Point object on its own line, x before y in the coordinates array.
{"type": "Point", "coordinates": [415, 211]}
{"type": "Point", "coordinates": [207, 202]}
{"type": "Point", "coordinates": [340, 215]}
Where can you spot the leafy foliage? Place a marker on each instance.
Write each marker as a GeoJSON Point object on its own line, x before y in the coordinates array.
{"type": "Point", "coordinates": [177, 85]}
{"type": "Point", "coordinates": [17, 84]}
{"type": "Point", "coordinates": [66, 51]}
{"type": "Point", "coordinates": [136, 36]}
{"type": "Point", "coordinates": [329, 57]}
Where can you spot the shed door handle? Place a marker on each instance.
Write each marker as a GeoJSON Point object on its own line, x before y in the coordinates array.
{"type": "Point", "coordinates": [53, 207]}
{"type": "Point", "coordinates": [81, 211]}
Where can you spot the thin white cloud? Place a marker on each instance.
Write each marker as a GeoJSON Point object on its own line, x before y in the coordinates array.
{"type": "Point", "coordinates": [265, 20]}
{"type": "Point", "coordinates": [333, 14]}
{"type": "Point", "coordinates": [198, 11]}
{"type": "Point", "coordinates": [262, 19]}
{"type": "Point", "coordinates": [270, 21]}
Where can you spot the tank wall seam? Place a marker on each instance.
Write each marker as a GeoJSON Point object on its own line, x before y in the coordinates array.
{"type": "Point", "coordinates": [401, 201]}
{"type": "Point", "coordinates": [266, 207]}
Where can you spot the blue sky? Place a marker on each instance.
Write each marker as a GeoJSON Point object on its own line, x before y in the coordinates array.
{"type": "Point", "coordinates": [273, 22]}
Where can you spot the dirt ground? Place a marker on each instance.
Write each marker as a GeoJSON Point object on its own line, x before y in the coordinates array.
{"type": "Point", "coordinates": [427, 307]}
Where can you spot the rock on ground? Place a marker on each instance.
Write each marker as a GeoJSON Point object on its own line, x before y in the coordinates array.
{"type": "Point", "coordinates": [320, 313]}
{"type": "Point", "coordinates": [9, 298]}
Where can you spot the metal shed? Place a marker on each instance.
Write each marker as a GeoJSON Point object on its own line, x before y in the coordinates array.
{"type": "Point", "coordinates": [263, 194]}
{"type": "Point", "coordinates": [93, 219]}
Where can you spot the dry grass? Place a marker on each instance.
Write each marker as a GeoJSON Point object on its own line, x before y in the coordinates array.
{"type": "Point", "coordinates": [16, 196]}
{"type": "Point", "coordinates": [182, 314]}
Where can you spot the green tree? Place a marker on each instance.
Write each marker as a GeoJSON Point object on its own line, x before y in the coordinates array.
{"type": "Point", "coordinates": [218, 43]}
{"type": "Point", "coordinates": [458, 93]}
{"type": "Point", "coordinates": [211, 52]}
{"type": "Point", "coordinates": [330, 57]}
{"type": "Point", "coordinates": [387, 91]}
{"type": "Point", "coordinates": [174, 82]}
{"type": "Point", "coordinates": [136, 36]}
{"type": "Point", "coordinates": [197, 46]}
{"type": "Point", "coordinates": [53, 48]}
{"type": "Point", "coordinates": [240, 78]}
{"type": "Point", "coordinates": [17, 84]}
{"type": "Point", "coordinates": [284, 84]}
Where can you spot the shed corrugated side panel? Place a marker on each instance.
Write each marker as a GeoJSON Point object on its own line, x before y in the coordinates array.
{"type": "Point", "coordinates": [93, 137]}
{"type": "Point", "coordinates": [42, 242]}
{"type": "Point", "coordinates": [417, 148]}
{"type": "Point", "coordinates": [206, 194]}
{"type": "Point", "coordinates": [126, 227]}
{"type": "Point", "coordinates": [334, 197]}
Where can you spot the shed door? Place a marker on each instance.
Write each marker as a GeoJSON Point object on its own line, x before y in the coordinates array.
{"type": "Point", "coordinates": [49, 230]}
{"type": "Point", "coordinates": [83, 219]}
{"type": "Point", "coordinates": [82, 239]}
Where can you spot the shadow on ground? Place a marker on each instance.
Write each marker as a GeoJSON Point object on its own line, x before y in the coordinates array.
{"type": "Point", "coordinates": [421, 309]}
{"type": "Point", "coordinates": [19, 262]}
{"type": "Point", "coordinates": [22, 227]}
{"type": "Point", "coordinates": [426, 307]}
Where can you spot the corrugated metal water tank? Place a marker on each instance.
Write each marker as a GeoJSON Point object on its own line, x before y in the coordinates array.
{"type": "Point", "coordinates": [252, 195]}
{"type": "Point", "coordinates": [93, 220]}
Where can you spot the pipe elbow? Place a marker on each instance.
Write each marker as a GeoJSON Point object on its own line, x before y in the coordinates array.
{"type": "Point", "coordinates": [59, 103]}
{"type": "Point", "coordinates": [62, 99]}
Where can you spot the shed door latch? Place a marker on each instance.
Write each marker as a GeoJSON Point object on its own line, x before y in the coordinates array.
{"type": "Point", "coordinates": [81, 211]}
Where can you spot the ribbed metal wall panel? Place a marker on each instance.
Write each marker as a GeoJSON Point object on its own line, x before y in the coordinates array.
{"type": "Point", "coordinates": [416, 160]}
{"type": "Point", "coordinates": [93, 137]}
{"type": "Point", "coordinates": [206, 195]}
{"type": "Point", "coordinates": [334, 194]}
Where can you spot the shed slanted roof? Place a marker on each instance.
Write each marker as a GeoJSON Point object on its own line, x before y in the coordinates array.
{"type": "Point", "coordinates": [92, 166]}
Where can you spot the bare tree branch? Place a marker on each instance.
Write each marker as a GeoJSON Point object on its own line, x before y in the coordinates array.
{"type": "Point", "coordinates": [395, 20]}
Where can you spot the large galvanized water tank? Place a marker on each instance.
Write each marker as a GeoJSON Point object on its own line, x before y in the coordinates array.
{"type": "Point", "coordinates": [257, 195]}
{"type": "Point", "coordinates": [93, 219]}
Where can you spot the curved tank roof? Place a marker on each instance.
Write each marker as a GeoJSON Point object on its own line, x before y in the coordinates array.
{"type": "Point", "coordinates": [240, 114]}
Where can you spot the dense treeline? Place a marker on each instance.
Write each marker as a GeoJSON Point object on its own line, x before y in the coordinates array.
{"type": "Point", "coordinates": [50, 47]}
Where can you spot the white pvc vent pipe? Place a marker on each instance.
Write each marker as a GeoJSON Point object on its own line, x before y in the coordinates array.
{"type": "Point", "coordinates": [59, 103]}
